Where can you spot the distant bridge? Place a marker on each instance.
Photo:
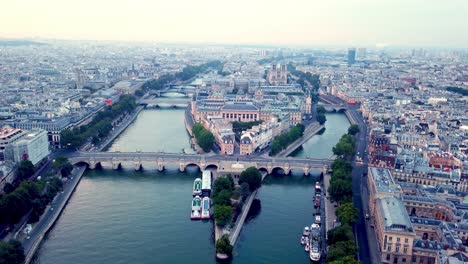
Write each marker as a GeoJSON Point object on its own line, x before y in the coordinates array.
{"type": "Point", "coordinates": [232, 164]}
{"type": "Point", "coordinates": [166, 102]}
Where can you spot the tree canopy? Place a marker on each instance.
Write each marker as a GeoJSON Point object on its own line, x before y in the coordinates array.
{"type": "Point", "coordinates": [223, 246]}
{"type": "Point", "coordinates": [222, 214]}
{"type": "Point", "coordinates": [353, 129]}
{"type": "Point", "coordinates": [100, 126]}
{"type": "Point", "coordinates": [345, 146]}
{"type": "Point", "coordinates": [321, 118]}
{"type": "Point", "coordinates": [340, 233]}
{"type": "Point", "coordinates": [11, 252]}
{"type": "Point", "coordinates": [63, 165]}
{"type": "Point", "coordinates": [284, 140]}
{"type": "Point", "coordinates": [252, 177]}
{"type": "Point", "coordinates": [347, 213]}
{"type": "Point", "coordinates": [25, 170]}
{"type": "Point", "coordinates": [205, 138]}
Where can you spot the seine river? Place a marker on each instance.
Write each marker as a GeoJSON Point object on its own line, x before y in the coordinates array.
{"type": "Point", "coordinates": [143, 217]}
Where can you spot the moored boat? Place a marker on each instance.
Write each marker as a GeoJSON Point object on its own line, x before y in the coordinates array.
{"type": "Point", "coordinates": [318, 188]}
{"type": "Point", "coordinates": [306, 231]}
{"type": "Point", "coordinates": [303, 240]}
{"type": "Point", "coordinates": [197, 187]}
{"type": "Point", "coordinates": [307, 247]}
{"type": "Point", "coordinates": [205, 208]}
{"type": "Point", "coordinates": [196, 208]}
{"type": "Point", "coordinates": [315, 231]}
{"type": "Point", "coordinates": [314, 252]}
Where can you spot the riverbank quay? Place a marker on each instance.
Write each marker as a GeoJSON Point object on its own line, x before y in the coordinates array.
{"type": "Point", "coordinates": [330, 216]}
{"type": "Point", "coordinates": [189, 122]}
{"type": "Point", "coordinates": [309, 132]}
{"type": "Point", "coordinates": [40, 229]}
{"type": "Point", "coordinates": [241, 219]}
{"type": "Point", "coordinates": [120, 128]}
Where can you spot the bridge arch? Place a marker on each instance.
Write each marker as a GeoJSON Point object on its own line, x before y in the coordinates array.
{"type": "Point", "coordinates": [263, 169]}
{"type": "Point", "coordinates": [80, 163]}
{"type": "Point", "coordinates": [190, 165]}
{"type": "Point", "coordinates": [211, 166]}
{"type": "Point", "coordinates": [279, 170]}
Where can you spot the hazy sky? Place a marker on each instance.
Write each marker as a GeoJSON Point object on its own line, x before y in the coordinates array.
{"type": "Point", "coordinates": [302, 22]}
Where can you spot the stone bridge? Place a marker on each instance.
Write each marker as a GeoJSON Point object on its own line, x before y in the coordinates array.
{"type": "Point", "coordinates": [231, 164]}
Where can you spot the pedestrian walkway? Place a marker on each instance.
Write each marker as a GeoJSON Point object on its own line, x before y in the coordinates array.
{"type": "Point", "coordinates": [330, 209]}
{"type": "Point", "coordinates": [240, 222]}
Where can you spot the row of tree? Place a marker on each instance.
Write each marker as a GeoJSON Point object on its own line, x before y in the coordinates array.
{"type": "Point", "coordinates": [28, 197]}
{"type": "Point", "coordinates": [187, 73]}
{"type": "Point", "coordinates": [284, 140]}
{"type": "Point", "coordinates": [458, 90]}
{"type": "Point", "coordinates": [321, 118]}
{"type": "Point", "coordinates": [100, 126]}
{"type": "Point", "coordinates": [221, 194]}
{"type": "Point", "coordinates": [345, 147]}
{"type": "Point", "coordinates": [11, 252]}
{"type": "Point", "coordinates": [313, 79]}
{"type": "Point", "coordinates": [205, 138]}
{"type": "Point", "coordinates": [342, 247]}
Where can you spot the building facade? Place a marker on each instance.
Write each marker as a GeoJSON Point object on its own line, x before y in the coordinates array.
{"type": "Point", "coordinates": [33, 146]}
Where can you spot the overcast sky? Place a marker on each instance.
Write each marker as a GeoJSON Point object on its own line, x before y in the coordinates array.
{"type": "Point", "coordinates": [442, 23]}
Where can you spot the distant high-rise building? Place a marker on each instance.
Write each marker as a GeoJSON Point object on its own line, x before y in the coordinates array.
{"type": "Point", "coordinates": [362, 53]}
{"type": "Point", "coordinates": [351, 56]}
{"type": "Point", "coordinates": [278, 74]}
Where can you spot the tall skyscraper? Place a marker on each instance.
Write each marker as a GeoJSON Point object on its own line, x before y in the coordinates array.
{"type": "Point", "coordinates": [351, 56]}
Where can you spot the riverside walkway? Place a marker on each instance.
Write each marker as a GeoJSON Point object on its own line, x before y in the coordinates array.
{"type": "Point", "coordinates": [309, 132]}
{"type": "Point", "coordinates": [50, 216]}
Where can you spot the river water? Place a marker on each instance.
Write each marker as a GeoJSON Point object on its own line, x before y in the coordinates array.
{"type": "Point", "coordinates": [143, 217]}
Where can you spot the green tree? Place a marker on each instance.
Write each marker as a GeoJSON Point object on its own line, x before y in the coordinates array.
{"type": "Point", "coordinates": [353, 129]}
{"type": "Point", "coordinates": [346, 260]}
{"type": "Point", "coordinates": [340, 190]}
{"type": "Point", "coordinates": [223, 246]}
{"type": "Point", "coordinates": [347, 213]}
{"type": "Point", "coordinates": [221, 183]}
{"type": "Point", "coordinates": [11, 252]}
{"type": "Point", "coordinates": [283, 140]}
{"type": "Point", "coordinates": [321, 118]}
{"type": "Point", "coordinates": [251, 176]}
{"type": "Point", "coordinates": [321, 109]}
{"type": "Point", "coordinates": [222, 214]}
{"type": "Point", "coordinates": [341, 164]}
{"type": "Point", "coordinates": [223, 197]}
{"type": "Point", "coordinates": [8, 188]}
{"type": "Point", "coordinates": [25, 169]}
{"type": "Point", "coordinates": [340, 233]}
{"type": "Point", "coordinates": [345, 146]}
{"type": "Point", "coordinates": [63, 165]}
{"type": "Point", "coordinates": [340, 250]}
{"type": "Point", "coordinates": [244, 190]}
{"type": "Point", "coordinates": [205, 138]}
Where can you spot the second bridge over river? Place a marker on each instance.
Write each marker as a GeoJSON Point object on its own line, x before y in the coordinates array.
{"type": "Point", "coordinates": [231, 164]}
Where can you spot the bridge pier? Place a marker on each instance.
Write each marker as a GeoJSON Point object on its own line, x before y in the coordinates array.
{"type": "Point", "coordinates": [306, 170]}
{"type": "Point", "coordinates": [92, 164]}
{"type": "Point", "coordinates": [115, 164]}
{"type": "Point", "coordinates": [181, 165]}
{"type": "Point", "coordinates": [138, 165]}
{"type": "Point", "coordinates": [202, 163]}
{"type": "Point", "coordinates": [161, 164]}
{"type": "Point", "coordinates": [287, 169]}
{"type": "Point", "coordinates": [269, 168]}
